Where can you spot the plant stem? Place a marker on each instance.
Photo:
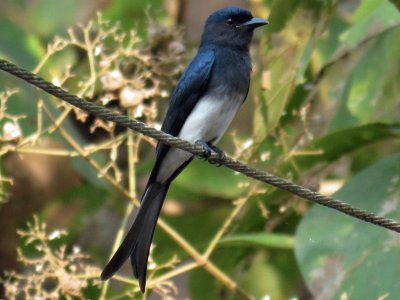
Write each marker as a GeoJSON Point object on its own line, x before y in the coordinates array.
{"type": "Point", "coordinates": [240, 204]}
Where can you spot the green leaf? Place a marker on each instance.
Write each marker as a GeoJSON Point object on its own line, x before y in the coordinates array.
{"type": "Point", "coordinates": [373, 70]}
{"type": "Point", "coordinates": [198, 228]}
{"type": "Point", "coordinates": [19, 46]}
{"type": "Point", "coordinates": [328, 44]}
{"type": "Point", "coordinates": [396, 3]}
{"type": "Point", "coordinates": [287, 63]}
{"type": "Point", "coordinates": [42, 18]}
{"type": "Point", "coordinates": [199, 279]}
{"type": "Point", "coordinates": [304, 61]}
{"type": "Point", "coordinates": [338, 253]}
{"type": "Point", "coordinates": [203, 179]}
{"type": "Point", "coordinates": [263, 279]}
{"type": "Point", "coordinates": [131, 13]}
{"type": "Point", "coordinates": [363, 97]}
{"type": "Point", "coordinates": [370, 13]}
{"type": "Point", "coordinates": [342, 142]}
{"type": "Point", "coordinates": [273, 240]}
{"type": "Point", "coordinates": [271, 103]}
{"type": "Point", "coordinates": [281, 12]}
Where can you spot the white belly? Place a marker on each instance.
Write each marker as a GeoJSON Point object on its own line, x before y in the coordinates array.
{"type": "Point", "coordinates": [208, 121]}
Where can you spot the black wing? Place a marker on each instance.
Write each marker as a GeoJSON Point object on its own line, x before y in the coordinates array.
{"type": "Point", "coordinates": [190, 88]}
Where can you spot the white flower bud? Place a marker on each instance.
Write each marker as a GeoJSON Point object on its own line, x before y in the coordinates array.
{"type": "Point", "coordinates": [56, 81]}
{"type": "Point", "coordinates": [97, 50]}
{"type": "Point", "coordinates": [164, 93]}
{"type": "Point", "coordinates": [11, 131]}
{"type": "Point", "coordinates": [56, 234]}
{"type": "Point", "coordinates": [112, 80]}
{"type": "Point", "coordinates": [130, 97]}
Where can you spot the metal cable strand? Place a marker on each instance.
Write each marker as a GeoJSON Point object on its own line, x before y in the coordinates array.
{"type": "Point", "coordinates": [124, 121]}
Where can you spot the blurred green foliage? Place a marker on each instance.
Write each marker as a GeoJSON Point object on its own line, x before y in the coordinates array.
{"type": "Point", "coordinates": [347, 253]}
{"type": "Point", "coordinates": [325, 105]}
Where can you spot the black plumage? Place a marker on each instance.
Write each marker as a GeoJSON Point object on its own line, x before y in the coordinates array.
{"type": "Point", "coordinates": [203, 104]}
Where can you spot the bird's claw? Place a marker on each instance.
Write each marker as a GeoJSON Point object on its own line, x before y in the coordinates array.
{"type": "Point", "coordinates": [221, 156]}
{"type": "Point", "coordinates": [208, 148]}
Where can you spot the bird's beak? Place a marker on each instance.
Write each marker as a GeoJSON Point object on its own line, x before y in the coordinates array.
{"type": "Point", "coordinates": [253, 23]}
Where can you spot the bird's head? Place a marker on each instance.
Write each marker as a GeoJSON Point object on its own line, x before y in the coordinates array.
{"type": "Point", "coordinates": [231, 27]}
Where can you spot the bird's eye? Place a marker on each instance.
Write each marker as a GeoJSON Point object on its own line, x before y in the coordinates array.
{"type": "Point", "coordinates": [229, 21]}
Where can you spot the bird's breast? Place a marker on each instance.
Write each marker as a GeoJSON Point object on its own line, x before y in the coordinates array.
{"type": "Point", "coordinates": [211, 117]}
{"type": "Point", "coordinates": [208, 121]}
{"type": "Point", "coordinates": [226, 91]}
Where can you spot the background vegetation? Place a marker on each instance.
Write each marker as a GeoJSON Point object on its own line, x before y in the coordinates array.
{"type": "Point", "coordinates": [323, 111]}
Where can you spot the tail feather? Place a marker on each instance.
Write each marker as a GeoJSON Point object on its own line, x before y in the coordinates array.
{"type": "Point", "coordinates": [140, 254]}
{"type": "Point", "coordinates": [138, 239]}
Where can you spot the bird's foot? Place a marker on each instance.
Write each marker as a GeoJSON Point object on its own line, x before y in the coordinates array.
{"type": "Point", "coordinates": [221, 155]}
{"type": "Point", "coordinates": [208, 148]}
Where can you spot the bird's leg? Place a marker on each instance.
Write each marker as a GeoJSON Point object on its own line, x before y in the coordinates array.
{"type": "Point", "coordinates": [208, 148]}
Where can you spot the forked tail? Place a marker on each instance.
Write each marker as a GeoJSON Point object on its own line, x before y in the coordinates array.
{"type": "Point", "coordinates": [138, 239]}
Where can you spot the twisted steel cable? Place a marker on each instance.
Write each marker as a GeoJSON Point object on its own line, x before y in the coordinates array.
{"type": "Point", "coordinates": [122, 120]}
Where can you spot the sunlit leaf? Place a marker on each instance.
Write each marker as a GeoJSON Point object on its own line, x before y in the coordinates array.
{"type": "Point", "coordinates": [373, 70]}
{"type": "Point", "coordinates": [362, 99]}
{"type": "Point", "coordinates": [286, 67]}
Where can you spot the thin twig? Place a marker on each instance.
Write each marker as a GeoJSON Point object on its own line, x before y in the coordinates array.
{"type": "Point", "coordinates": [238, 207]}
{"type": "Point", "coordinates": [173, 273]}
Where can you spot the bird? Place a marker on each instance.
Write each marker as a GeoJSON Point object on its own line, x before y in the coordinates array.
{"type": "Point", "coordinates": [203, 104]}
